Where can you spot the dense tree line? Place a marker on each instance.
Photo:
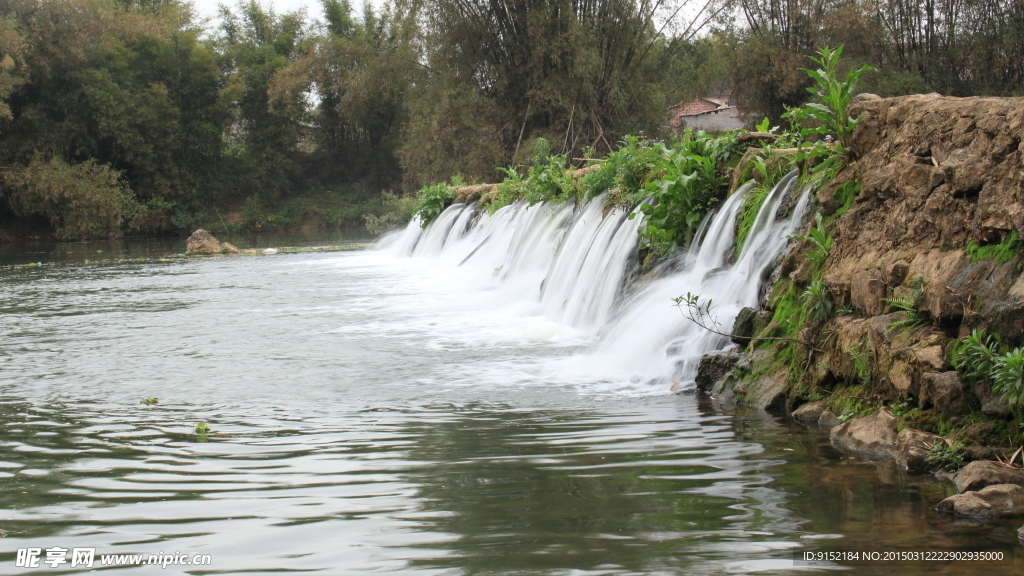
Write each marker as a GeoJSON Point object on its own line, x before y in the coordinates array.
{"type": "Point", "coordinates": [134, 115]}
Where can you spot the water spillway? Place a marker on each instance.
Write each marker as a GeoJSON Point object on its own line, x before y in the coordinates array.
{"type": "Point", "coordinates": [572, 262]}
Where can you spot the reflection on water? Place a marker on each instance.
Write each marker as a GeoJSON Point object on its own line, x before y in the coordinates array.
{"type": "Point", "coordinates": [656, 486]}
{"type": "Point", "coordinates": [360, 423]}
{"type": "Point", "coordinates": [49, 251]}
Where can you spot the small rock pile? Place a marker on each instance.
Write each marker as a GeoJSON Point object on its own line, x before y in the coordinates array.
{"type": "Point", "coordinates": [202, 242]}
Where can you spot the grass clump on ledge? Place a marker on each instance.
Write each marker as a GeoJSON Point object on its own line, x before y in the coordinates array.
{"type": "Point", "coordinates": [1002, 252]}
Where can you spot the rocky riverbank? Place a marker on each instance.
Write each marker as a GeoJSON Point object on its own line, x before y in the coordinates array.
{"type": "Point", "coordinates": [925, 223]}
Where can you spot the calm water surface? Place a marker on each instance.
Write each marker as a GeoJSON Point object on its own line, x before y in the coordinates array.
{"type": "Point", "coordinates": [373, 414]}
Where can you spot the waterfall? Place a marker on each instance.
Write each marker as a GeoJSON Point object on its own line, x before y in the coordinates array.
{"type": "Point", "coordinates": [572, 261]}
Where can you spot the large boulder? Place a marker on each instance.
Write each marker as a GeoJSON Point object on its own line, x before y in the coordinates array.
{"type": "Point", "coordinates": [743, 326]}
{"type": "Point", "coordinates": [713, 367]}
{"type": "Point", "coordinates": [990, 502]}
{"type": "Point", "coordinates": [913, 447]}
{"type": "Point", "coordinates": [202, 242]}
{"type": "Point", "coordinates": [866, 292]}
{"type": "Point", "coordinates": [979, 474]}
{"type": "Point", "coordinates": [1007, 320]}
{"type": "Point", "coordinates": [874, 434]}
{"type": "Point", "coordinates": [943, 390]}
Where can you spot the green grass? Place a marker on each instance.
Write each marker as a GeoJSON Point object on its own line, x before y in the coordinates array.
{"type": "Point", "coordinates": [751, 205]}
{"type": "Point", "coordinates": [1002, 252]}
{"type": "Point", "coordinates": [845, 195]}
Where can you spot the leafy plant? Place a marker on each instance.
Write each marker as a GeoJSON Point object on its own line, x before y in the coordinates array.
{"type": "Point", "coordinates": [949, 457]}
{"type": "Point", "coordinates": [625, 173]}
{"type": "Point", "coordinates": [149, 401]}
{"type": "Point", "coordinates": [202, 429]}
{"type": "Point", "coordinates": [548, 181]}
{"type": "Point", "coordinates": [821, 239]}
{"type": "Point", "coordinates": [689, 184]}
{"type": "Point", "coordinates": [835, 95]}
{"type": "Point", "coordinates": [818, 301]}
{"type": "Point", "coordinates": [975, 357]}
{"type": "Point", "coordinates": [1008, 378]}
{"type": "Point", "coordinates": [510, 189]}
{"type": "Point", "coordinates": [432, 201]}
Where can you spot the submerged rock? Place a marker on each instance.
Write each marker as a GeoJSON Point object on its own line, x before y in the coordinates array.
{"type": "Point", "coordinates": [202, 242]}
{"type": "Point", "coordinates": [980, 474]}
{"type": "Point", "coordinates": [913, 447]}
{"type": "Point", "coordinates": [874, 434]}
{"type": "Point", "coordinates": [828, 419]}
{"type": "Point", "coordinates": [989, 502]}
{"type": "Point", "coordinates": [810, 412]}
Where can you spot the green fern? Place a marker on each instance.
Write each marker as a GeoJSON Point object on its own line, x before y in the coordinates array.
{"type": "Point", "coordinates": [906, 306]}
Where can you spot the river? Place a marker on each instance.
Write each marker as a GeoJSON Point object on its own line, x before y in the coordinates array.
{"type": "Point", "coordinates": [371, 412]}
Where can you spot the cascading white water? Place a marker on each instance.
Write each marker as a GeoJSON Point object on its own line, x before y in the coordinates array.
{"type": "Point", "coordinates": [572, 261]}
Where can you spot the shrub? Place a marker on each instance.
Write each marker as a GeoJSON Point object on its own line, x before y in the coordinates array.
{"type": "Point", "coordinates": [548, 181]}
{"type": "Point", "coordinates": [432, 201]}
{"type": "Point", "coordinates": [625, 173]}
{"type": "Point", "coordinates": [688, 184]}
{"type": "Point", "coordinates": [397, 212]}
{"type": "Point", "coordinates": [85, 200]}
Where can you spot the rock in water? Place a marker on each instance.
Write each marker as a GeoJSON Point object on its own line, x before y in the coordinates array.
{"type": "Point", "coordinates": [979, 474]}
{"type": "Point", "coordinates": [913, 447]}
{"type": "Point", "coordinates": [874, 434]}
{"type": "Point", "coordinates": [270, 251]}
{"type": "Point", "coordinates": [226, 248]}
{"type": "Point", "coordinates": [989, 502]}
{"type": "Point", "coordinates": [202, 242]}
{"type": "Point", "coordinates": [713, 367]}
{"type": "Point", "coordinates": [810, 412]}
{"type": "Point", "coordinates": [829, 419]}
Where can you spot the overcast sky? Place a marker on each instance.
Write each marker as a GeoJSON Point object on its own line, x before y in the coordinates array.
{"type": "Point", "coordinates": [314, 11]}
{"type": "Point", "coordinates": [208, 8]}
